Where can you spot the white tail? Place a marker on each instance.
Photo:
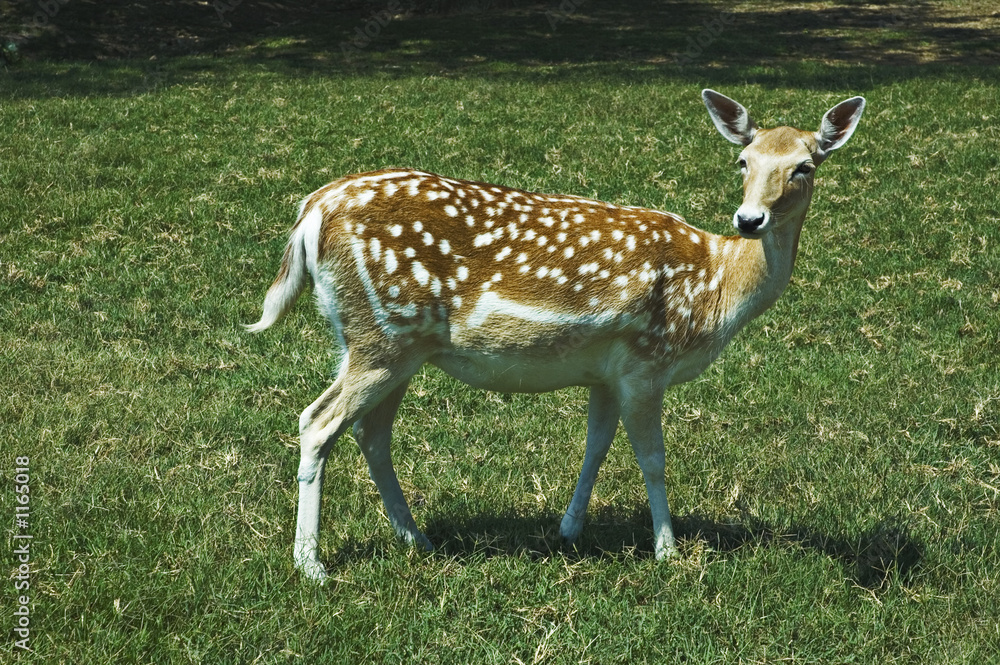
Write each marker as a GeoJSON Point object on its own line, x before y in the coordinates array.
{"type": "Point", "coordinates": [292, 279]}
{"type": "Point", "coordinates": [523, 292]}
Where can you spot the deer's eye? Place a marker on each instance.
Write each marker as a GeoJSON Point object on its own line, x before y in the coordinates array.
{"type": "Point", "coordinates": [805, 168]}
{"type": "Point", "coordinates": [743, 164]}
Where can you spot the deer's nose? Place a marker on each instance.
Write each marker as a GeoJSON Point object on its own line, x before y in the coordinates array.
{"type": "Point", "coordinates": [749, 222]}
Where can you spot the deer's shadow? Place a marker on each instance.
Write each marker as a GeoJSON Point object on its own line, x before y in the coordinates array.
{"type": "Point", "coordinates": [885, 551]}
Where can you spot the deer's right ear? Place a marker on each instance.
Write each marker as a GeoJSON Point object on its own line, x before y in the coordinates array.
{"type": "Point", "coordinates": [730, 118]}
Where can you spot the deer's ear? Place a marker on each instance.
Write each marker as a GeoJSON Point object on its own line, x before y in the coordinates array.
{"type": "Point", "coordinates": [729, 116]}
{"type": "Point", "coordinates": [838, 124]}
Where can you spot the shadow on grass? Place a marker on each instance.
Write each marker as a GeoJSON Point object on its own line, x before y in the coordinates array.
{"type": "Point", "coordinates": [886, 551]}
{"type": "Point", "coordinates": [819, 45]}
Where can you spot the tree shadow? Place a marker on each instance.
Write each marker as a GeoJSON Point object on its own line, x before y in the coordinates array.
{"type": "Point", "coordinates": [873, 558]}
{"type": "Point", "coordinates": [817, 44]}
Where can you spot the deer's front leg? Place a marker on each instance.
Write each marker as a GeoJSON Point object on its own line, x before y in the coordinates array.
{"type": "Point", "coordinates": [602, 421]}
{"type": "Point", "coordinates": [641, 418]}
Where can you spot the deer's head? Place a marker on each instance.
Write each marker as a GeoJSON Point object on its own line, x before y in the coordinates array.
{"type": "Point", "coordinates": [779, 164]}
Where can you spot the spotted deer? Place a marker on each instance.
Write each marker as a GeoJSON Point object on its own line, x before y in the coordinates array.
{"type": "Point", "coordinates": [517, 291]}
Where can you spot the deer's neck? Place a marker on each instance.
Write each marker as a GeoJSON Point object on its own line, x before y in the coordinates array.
{"type": "Point", "coordinates": [757, 272]}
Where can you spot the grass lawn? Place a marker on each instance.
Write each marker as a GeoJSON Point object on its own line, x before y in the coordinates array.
{"type": "Point", "coordinates": [834, 476]}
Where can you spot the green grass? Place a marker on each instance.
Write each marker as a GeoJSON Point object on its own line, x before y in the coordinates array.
{"type": "Point", "coordinates": [835, 476]}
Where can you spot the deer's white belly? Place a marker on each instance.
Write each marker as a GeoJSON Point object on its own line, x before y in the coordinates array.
{"type": "Point", "coordinates": [512, 371]}
{"type": "Point", "coordinates": [507, 346]}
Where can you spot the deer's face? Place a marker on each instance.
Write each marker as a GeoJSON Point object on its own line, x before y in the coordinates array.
{"type": "Point", "coordinates": [778, 166]}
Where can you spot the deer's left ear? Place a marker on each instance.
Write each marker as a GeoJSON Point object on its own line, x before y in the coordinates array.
{"type": "Point", "coordinates": [838, 124]}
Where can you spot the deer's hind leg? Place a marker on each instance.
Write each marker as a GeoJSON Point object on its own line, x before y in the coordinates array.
{"type": "Point", "coordinates": [373, 432]}
{"type": "Point", "coordinates": [363, 386]}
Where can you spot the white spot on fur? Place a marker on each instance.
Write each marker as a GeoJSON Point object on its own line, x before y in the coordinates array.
{"type": "Point", "coordinates": [390, 261]}
{"type": "Point", "coordinates": [395, 230]}
{"type": "Point", "coordinates": [716, 279]}
{"type": "Point", "coordinates": [420, 273]}
{"type": "Point", "coordinates": [451, 210]}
